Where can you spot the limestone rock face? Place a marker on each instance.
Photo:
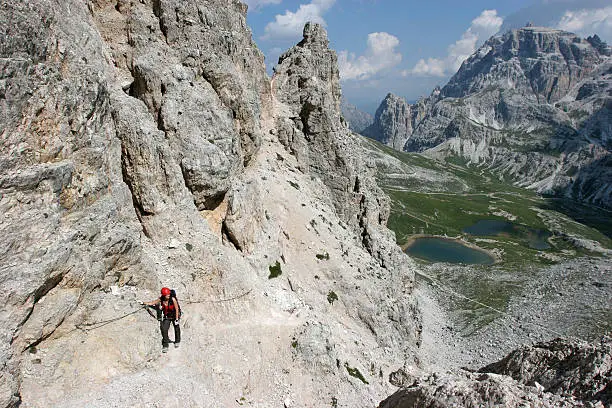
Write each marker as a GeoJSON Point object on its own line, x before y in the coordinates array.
{"type": "Point", "coordinates": [204, 92]}
{"type": "Point", "coordinates": [396, 119]}
{"type": "Point", "coordinates": [68, 225]}
{"type": "Point", "coordinates": [357, 120]}
{"type": "Point", "coordinates": [560, 373]}
{"type": "Point", "coordinates": [307, 81]}
{"type": "Point", "coordinates": [140, 149]}
{"type": "Point", "coordinates": [314, 129]}
{"type": "Point", "coordinates": [118, 123]}
{"type": "Point", "coordinates": [393, 122]}
{"type": "Point", "coordinates": [533, 106]}
{"type": "Point", "coordinates": [540, 62]}
{"type": "Point", "coordinates": [473, 390]}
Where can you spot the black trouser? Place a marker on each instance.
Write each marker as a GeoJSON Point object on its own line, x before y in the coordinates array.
{"type": "Point", "coordinates": [165, 326]}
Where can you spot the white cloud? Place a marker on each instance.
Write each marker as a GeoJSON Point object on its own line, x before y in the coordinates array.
{"type": "Point", "coordinates": [290, 24]}
{"type": "Point", "coordinates": [588, 22]}
{"type": "Point", "coordinates": [487, 23]}
{"type": "Point", "coordinates": [380, 54]}
{"type": "Point", "coordinates": [431, 67]}
{"type": "Point", "coordinates": [255, 4]}
{"type": "Point", "coordinates": [461, 50]}
{"type": "Point", "coordinates": [482, 27]}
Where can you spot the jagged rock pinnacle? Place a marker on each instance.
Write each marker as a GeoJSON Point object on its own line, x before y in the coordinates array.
{"type": "Point", "coordinates": [315, 33]}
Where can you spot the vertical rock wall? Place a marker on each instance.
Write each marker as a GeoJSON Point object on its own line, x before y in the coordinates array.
{"type": "Point", "coordinates": [307, 81]}
{"type": "Point", "coordinates": [111, 113]}
{"type": "Point", "coordinates": [132, 136]}
{"type": "Point", "coordinates": [393, 122]}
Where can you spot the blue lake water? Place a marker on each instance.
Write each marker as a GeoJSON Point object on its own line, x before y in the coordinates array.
{"type": "Point", "coordinates": [444, 250]}
{"type": "Point", "coordinates": [535, 238]}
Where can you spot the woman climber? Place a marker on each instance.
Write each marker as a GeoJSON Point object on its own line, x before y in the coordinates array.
{"type": "Point", "coordinates": [171, 313]}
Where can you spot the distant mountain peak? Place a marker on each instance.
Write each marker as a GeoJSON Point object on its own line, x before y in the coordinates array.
{"type": "Point", "coordinates": [357, 119]}
{"type": "Point", "coordinates": [540, 62]}
{"type": "Point", "coordinates": [533, 103]}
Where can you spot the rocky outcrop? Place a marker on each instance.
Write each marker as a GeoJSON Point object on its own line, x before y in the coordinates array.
{"type": "Point", "coordinates": [68, 225]}
{"type": "Point", "coordinates": [560, 373]}
{"type": "Point", "coordinates": [568, 368]}
{"type": "Point", "coordinates": [357, 120]}
{"type": "Point", "coordinates": [204, 93]}
{"type": "Point", "coordinates": [540, 63]}
{"type": "Point", "coordinates": [467, 389]}
{"type": "Point", "coordinates": [396, 119]}
{"type": "Point", "coordinates": [120, 121]}
{"type": "Point", "coordinates": [533, 106]}
{"type": "Point", "coordinates": [307, 81]}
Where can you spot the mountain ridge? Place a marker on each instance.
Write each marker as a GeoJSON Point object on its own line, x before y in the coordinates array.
{"type": "Point", "coordinates": [532, 105]}
{"type": "Point", "coordinates": [145, 146]}
{"type": "Point", "coordinates": [357, 119]}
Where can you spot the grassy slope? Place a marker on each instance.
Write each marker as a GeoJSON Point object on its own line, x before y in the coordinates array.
{"type": "Point", "coordinates": [449, 211]}
{"type": "Point", "coordinates": [467, 195]}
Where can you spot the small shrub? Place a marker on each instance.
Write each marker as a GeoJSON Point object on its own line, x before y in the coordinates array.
{"type": "Point", "coordinates": [324, 256]}
{"type": "Point", "coordinates": [275, 270]}
{"type": "Point", "coordinates": [354, 372]}
{"type": "Point", "coordinates": [294, 185]}
{"type": "Point", "coordinates": [332, 297]}
{"type": "Point", "coordinates": [188, 246]}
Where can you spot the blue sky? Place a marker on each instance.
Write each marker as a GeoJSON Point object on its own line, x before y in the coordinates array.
{"type": "Point", "coordinates": [408, 47]}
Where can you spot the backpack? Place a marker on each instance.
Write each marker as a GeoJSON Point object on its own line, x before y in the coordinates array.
{"type": "Point", "coordinates": [173, 296]}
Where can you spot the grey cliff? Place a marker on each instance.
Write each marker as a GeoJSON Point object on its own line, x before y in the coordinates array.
{"type": "Point", "coordinates": [143, 145]}
{"type": "Point", "coordinates": [393, 122]}
{"type": "Point", "coordinates": [307, 81]}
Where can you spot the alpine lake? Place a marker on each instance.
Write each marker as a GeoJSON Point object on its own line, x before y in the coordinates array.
{"type": "Point", "coordinates": [477, 234]}
{"type": "Point", "coordinates": [446, 211]}
{"type": "Point", "coordinates": [442, 249]}
{"type": "Point", "coordinates": [435, 249]}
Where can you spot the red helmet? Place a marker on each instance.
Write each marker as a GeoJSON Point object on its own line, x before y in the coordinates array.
{"type": "Point", "coordinates": [165, 291]}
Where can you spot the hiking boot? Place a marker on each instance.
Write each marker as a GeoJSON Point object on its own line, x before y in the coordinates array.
{"type": "Point", "coordinates": [176, 345]}
{"type": "Point", "coordinates": [165, 349]}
